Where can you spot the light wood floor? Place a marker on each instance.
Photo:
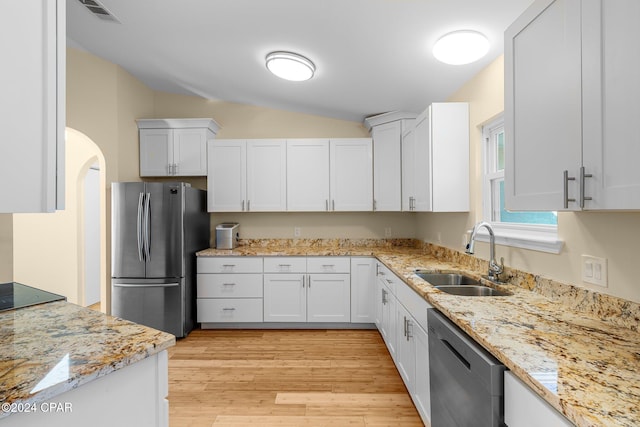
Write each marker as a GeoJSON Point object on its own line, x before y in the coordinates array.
{"type": "Point", "coordinates": [286, 378]}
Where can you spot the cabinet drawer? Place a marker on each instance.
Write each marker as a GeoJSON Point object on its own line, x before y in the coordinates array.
{"type": "Point", "coordinates": [285, 265]}
{"type": "Point", "coordinates": [328, 265]}
{"type": "Point", "coordinates": [229, 285]}
{"type": "Point", "coordinates": [229, 310]}
{"type": "Point", "coordinates": [414, 303]}
{"type": "Point", "coordinates": [229, 265]}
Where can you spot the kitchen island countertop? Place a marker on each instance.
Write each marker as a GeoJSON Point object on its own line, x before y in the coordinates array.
{"type": "Point", "coordinates": [49, 349]}
{"type": "Point", "coordinates": [584, 366]}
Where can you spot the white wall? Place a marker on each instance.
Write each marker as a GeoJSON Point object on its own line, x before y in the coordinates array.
{"type": "Point", "coordinates": [609, 235]}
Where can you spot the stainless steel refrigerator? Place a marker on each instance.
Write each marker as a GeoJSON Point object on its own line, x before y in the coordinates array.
{"type": "Point", "coordinates": [156, 229]}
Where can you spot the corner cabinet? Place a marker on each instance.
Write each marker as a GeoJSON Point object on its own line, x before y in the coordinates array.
{"type": "Point", "coordinates": [436, 160]}
{"type": "Point", "coordinates": [571, 139]}
{"type": "Point", "coordinates": [175, 147]}
{"type": "Point", "coordinates": [33, 41]}
{"type": "Point", "coordinates": [246, 175]}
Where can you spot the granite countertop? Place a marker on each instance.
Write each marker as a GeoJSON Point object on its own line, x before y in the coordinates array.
{"type": "Point", "coordinates": [51, 348]}
{"type": "Point", "coordinates": [583, 361]}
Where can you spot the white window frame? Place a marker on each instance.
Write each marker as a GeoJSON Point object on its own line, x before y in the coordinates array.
{"type": "Point", "coordinates": [543, 238]}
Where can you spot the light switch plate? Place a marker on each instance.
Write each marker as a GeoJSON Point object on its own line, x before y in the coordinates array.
{"type": "Point", "coordinates": [594, 270]}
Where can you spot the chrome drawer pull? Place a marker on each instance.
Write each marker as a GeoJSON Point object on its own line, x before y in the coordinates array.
{"type": "Point", "coordinates": [228, 284]}
{"type": "Point", "coordinates": [228, 309]}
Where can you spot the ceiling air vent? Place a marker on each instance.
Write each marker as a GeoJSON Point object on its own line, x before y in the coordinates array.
{"type": "Point", "coordinates": [99, 10]}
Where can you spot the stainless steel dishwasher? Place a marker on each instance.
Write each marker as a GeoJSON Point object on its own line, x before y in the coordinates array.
{"type": "Point", "coordinates": [466, 380]}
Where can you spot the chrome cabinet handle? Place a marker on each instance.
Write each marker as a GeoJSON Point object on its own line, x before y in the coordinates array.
{"type": "Point", "coordinates": [384, 297]}
{"type": "Point", "coordinates": [583, 175]}
{"type": "Point", "coordinates": [175, 169]}
{"type": "Point", "coordinates": [566, 179]}
{"type": "Point", "coordinates": [326, 204]}
{"type": "Point", "coordinates": [375, 204]}
{"type": "Point", "coordinates": [228, 284]}
{"type": "Point", "coordinates": [243, 206]}
{"type": "Point", "coordinates": [408, 326]}
{"type": "Point", "coordinates": [309, 281]}
{"type": "Point", "coordinates": [248, 205]}
{"type": "Point", "coordinates": [333, 205]}
{"type": "Point", "coordinates": [228, 309]}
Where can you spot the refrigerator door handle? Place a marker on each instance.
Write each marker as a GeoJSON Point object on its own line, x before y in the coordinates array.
{"type": "Point", "coordinates": [147, 227]}
{"type": "Point", "coordinates": [139, 226]}
{"type": "Point", "coordinates": [153, 285]}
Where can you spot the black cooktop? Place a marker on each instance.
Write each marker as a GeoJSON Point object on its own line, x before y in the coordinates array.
{"type": "Point", "coordinates": [16, 295]}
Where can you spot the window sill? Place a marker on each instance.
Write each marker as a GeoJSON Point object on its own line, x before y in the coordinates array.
{"type": "Point", "coordinates": [540, 238]}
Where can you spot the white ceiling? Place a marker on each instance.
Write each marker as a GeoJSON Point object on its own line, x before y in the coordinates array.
{"type": "Point", "coordinates": [372, 56]}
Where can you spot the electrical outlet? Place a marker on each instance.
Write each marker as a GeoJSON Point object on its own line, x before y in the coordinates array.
{"type": "Point", "coordinates": [594, 270]}
{"type": "Point", "coordinates": [387, 232]}
{"type": "Point", "coordinates": [296, 231]}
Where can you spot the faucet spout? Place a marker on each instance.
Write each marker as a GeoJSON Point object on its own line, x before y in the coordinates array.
{"type": "Point", "coordinates": [495, 269]}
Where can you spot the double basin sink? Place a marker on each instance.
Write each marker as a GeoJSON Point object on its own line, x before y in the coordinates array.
{"type": "Point", "coordinates": [459, 284]}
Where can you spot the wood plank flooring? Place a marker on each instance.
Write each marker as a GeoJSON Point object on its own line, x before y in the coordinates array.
{"type": "Point", "coordinates": [286, 378]}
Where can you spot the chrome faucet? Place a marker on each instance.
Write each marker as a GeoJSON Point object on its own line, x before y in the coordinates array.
{"type": "Point", "coordinates": [494, 269]}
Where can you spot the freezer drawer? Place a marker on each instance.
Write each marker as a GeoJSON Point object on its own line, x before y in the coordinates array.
{"type": "Point", "coordinates": [157, 305]}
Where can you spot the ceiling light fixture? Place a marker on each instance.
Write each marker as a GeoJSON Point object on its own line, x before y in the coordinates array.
{"type": "Point", "coordinates": [290, 66]}
{"type": "Point", "coordinates": [461, 47]}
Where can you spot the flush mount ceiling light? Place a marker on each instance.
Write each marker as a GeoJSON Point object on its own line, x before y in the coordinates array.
{"type": "Point", "coordinates": [290, 66]}
{"type": "Point", "coordinates": [461, 47]}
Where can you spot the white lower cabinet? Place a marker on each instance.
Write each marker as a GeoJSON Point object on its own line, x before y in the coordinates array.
{"type": "Point", "coordinates": [318, 291]}
{"type": "Point", "coordinates": [524, 408]}
{"type": "Point", "coordinates": [401, 319]}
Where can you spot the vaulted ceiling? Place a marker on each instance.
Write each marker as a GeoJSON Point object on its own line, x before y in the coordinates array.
{"type": "Point", "coordinates": [372, 56]}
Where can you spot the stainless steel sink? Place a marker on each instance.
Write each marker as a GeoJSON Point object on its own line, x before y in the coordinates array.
{"type": "Point", "coordinates": [438, 279]}
{"type": "Point", "coordinates": [472, 291]}
{"type": "Point", "coordinates": [459, 284]}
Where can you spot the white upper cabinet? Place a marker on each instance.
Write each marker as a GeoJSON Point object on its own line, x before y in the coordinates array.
{"type": "Point", "coordinates": [308, 174]}
{"type": "Point", "coordinates": [571, 141]}
{"type": "Point", "coordinates": [175, 147]}
{"type": "Point", "coordinates": [437, 160]}
{"type": "Point", "coordinates": [33, 42]}
{"type": "Point", "coordinates": [227, 175]}
{"type": "Point", "coordinates": [408, 169]}
{"type": "Point", "coordinates": [351, 174]}
{"type": "Point", "coordinates": [329, 175]}
{"type": "Point", "coordinates": [387, 130]}
{"type": "Point", "coordinates": [247, 175]}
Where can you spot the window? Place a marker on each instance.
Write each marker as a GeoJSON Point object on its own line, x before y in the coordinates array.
{"type": "Point", "coordinates": [531, 230]}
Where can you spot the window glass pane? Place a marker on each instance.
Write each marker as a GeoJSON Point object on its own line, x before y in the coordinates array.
{"type": "Point", "coordinates": [547, 218]}
{"type": "Point", "coordinates": [500, 150]}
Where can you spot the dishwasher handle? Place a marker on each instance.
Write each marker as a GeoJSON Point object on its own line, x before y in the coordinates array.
{"type": "Point", "coordinates": [455, 352]}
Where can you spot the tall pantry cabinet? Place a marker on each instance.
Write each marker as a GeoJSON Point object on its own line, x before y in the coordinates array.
{"type": "Point", "coordinates": [33, 41]}
{"type": "Point", "coordinates": [571, 91]}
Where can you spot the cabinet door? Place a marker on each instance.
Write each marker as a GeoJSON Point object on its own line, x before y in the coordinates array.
{"type": "Point", "coordinates": [387, 175]}
{"type": "Point", "coordinates": [351, 169]}
{"type": "Point", "coordinates": [543, 121]}
{"type": "Point", "coordinates": [389, 318]}
{"type": "Point", "coordinates": [422, 163]}
{"type": "Point", "coordinates": [190, 152]}
{"type": "Point", "coordinates": [156, 152]}
{"type": "Point", "coordinates": [32, 104]}
{"type": "Point", "coordinates": [308, 175]}
{"type": "Point", "coordinates": [266, 175]}
{"type": "Point", "coordinates": [226, 178]}
{"type": "Point", "coordinates": [421, 392]}
{"type": "Point", "coordinates": [449, 140]}
{"type": "Point", "coordinates": [524, 408]}
{"type": "Point", "coordinates": [328, 298]}
{"type": "Point", "coordinates": [611, 66]}
{"type": "Point", "coordinates": [379, 305]}
{"type": "Point", "coordinates": [408, 169]}
{"type": "Point", "coordinates": [285, 298]}
{"type": "Point", "coordinates": [363, 287]}
{"type": "Point", "coordinates": [405, 351]}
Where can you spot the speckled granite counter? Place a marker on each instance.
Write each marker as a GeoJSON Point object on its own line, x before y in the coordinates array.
{"type": "Point", "coordinates": [577, 349]}
{"type": "Point", "coordinates": [36, 339]}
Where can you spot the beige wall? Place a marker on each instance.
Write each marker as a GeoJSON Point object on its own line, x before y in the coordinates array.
{"type": "Point", "coordinates": [48, 249]}
{"type": "Point", "coordinates": [609, 235]}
